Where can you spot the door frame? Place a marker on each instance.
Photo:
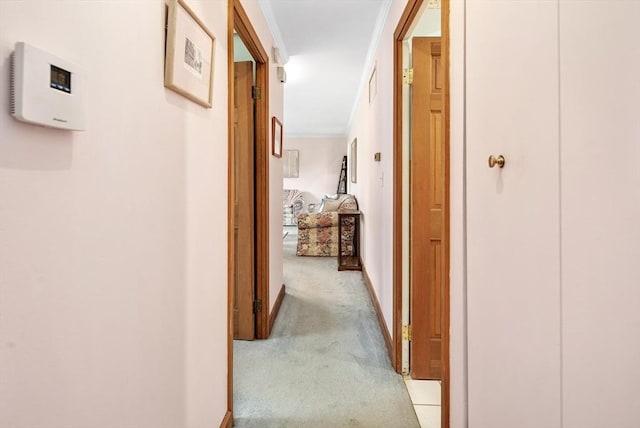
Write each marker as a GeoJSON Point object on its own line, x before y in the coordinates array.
{"type": "Point", "coordinates": [238, 20]}
{"type": "Point", "coordinates": [406, 20]}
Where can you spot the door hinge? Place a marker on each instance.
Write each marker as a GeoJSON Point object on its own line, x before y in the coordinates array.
{"type": "Point", "coordinates": [256, 92]}
{"type": "Point", "coordinates": [407, 76]}
{"type": "Point", "coordinates": [257, 306]}
{"type": "Point", "coordinates": [406, 332]}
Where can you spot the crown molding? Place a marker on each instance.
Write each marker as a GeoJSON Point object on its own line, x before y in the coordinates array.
{"type": "Point", "coordinates": [371, 56]}
{"type": "Point", "coordinates": [318, 136]}
{"type": "Point", "coordinates": [269, 17]}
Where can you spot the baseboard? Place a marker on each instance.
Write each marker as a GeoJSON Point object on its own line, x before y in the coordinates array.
{"type": "Point", "coordinates": [227, 421]}
{"type": "Point", "coordinates": [376, 307]}
{"type": "Point", "coordinates": [276, 308]}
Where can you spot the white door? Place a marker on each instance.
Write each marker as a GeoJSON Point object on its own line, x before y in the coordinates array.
{"type": "Point", "coordinates": [600, 93]}
{"type": "Point", "coordinates": [514, 348]}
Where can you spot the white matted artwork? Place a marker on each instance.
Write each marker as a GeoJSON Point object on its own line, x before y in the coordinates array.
{"type": "Point", "coordinates": [373, 84]}
{"type": "Point", "coordinates": [353, 157]}
{"type": "Point", "coordinates": [276, 137]}
{"type": "Point", "coordinates": [291, 163]}
{"type": "Point", "coordinates": [190, 52]}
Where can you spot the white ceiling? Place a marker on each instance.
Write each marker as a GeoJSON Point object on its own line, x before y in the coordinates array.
{"type": "Point", "coordinates": [328, 46]}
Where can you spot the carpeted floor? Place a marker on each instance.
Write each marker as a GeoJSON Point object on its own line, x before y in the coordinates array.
{"type": "Point", "coordinates": [325, 364]}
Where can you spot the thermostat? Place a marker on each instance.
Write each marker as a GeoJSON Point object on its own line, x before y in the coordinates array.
{"type": "Point", "coordinates": [47, 90]}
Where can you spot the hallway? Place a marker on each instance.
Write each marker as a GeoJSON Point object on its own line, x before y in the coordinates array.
{"type": "Point", "coordinates": [325, 364]}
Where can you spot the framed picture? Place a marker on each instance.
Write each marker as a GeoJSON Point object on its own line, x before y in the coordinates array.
{"type": "Point", "coordinates": [188, 67]}
{"type": "Point", "coordinates": [276, 137]}
{"type": "Point", "coordinates": [291, 164]}
{"type": "Point", "coordinates": [373, 84]}
{"type": "Point", "coordinates": [353, 157]}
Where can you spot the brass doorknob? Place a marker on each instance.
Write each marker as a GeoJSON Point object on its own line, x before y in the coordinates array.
{"type": "Point", "coordinates": [493, 161]}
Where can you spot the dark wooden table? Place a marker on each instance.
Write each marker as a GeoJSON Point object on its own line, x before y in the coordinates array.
{"type": "Point", "coordinates": [349, 262]}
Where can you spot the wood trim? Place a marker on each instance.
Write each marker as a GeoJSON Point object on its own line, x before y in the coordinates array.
{"type": "Point", "coordinates": [227, 421]}
{"type": "Point", "coordinates": [410, 12]}
{"type": "Point", "coordinates": [376, 306]}
{"type": "Point", "coordinates": [230, 209]}
{"type": "Point", "coordinates": [263, 148]}
{"type": "Point", "coordinates": [276, 131]}
{"type": "Point", "coordinates": [397, 207]}
{"type": "Point", "coordinates": [408, 15]}
{"type": "Point", "coordinates": [247, 33]}
{"type": "Point", "coordinates": [446, 324]}
{"type": "Point", "coordinates": [276, 308]}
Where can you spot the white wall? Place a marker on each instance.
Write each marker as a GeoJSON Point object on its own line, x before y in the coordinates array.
{"type": "Point", "coordinates": [600, 207]}
{"type": "Point", "coordinates": [205, 141]}
{"type": "Point", "coordinates": [457, 279]}
{"type": "Point", "coordinates": [320, 163]}
{"type": "Point", "coordinates": [427, 23]}
{"type": "Point", "coordinates": [113, 247]}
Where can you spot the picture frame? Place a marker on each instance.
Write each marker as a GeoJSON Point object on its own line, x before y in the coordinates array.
{"type": "Point", "coordinates": [373, 84]}
{"type": "Point", "coordinates": [353, 160]}
{"type": "Point", "coordinates": [291, 164]}
{"type": "Point", "coordinates": [189, 60]}
{"type": "Point", "coordinates": [276, 137]}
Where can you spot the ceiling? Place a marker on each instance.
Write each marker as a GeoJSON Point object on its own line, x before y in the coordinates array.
{"type": "Point", "coordinates": [328, 47]}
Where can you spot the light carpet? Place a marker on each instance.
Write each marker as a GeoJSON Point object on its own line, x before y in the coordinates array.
{"type": "Point", "coordinates": [325, 364]}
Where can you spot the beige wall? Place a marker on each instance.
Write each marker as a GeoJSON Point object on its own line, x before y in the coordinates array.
{"type": "Point", "coordinates": [600, 207]}
{"type": "Point", "coordinates": [205, 143]}
{"type": "Point", "coordinates": [320, 163]}
{"type": "Point", "coordinates": [113, 249]}
{"type": "Point", "coordinates": [457, 361]}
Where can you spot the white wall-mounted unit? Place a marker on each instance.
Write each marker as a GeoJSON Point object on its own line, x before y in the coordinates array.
{"type": "Point", "coordinates": [282, 75]}
{"type": "Point", "coordinates": [47, 90]}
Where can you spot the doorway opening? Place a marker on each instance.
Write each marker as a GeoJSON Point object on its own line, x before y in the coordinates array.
{"type": "Point", "coordinates": [421, 195]}
{"type": "Point", "coordinates": [248, 191]}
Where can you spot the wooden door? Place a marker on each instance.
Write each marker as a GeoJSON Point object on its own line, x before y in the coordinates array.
{"type": "Point", "coordinates": [513, 270]}
{"type": "Point", "coordinates": [429, 252]}
{"type": "Point", "coordinates": [244, 221]}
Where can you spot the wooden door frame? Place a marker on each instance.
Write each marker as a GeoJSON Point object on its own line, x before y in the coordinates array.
{"type": "Point", "coordinates": [406, 20]}
{"type": "Point", "coordinates": [239, 20]}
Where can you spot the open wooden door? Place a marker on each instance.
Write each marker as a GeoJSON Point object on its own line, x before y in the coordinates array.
{"type": "Point", "coordinates": [244, 204]}
{"type": "Point", "coordinates": [429, 252]}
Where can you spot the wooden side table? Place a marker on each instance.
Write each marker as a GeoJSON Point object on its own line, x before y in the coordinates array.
{"type": "Point", "coordinates": [349, 262]}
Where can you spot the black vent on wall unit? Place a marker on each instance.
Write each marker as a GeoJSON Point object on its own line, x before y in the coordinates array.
{"type": "Point", "coordinates": [12, 86]}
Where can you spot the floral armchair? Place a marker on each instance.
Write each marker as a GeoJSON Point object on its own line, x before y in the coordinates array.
{"type": "Point", "coordinates": [318, 232]}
